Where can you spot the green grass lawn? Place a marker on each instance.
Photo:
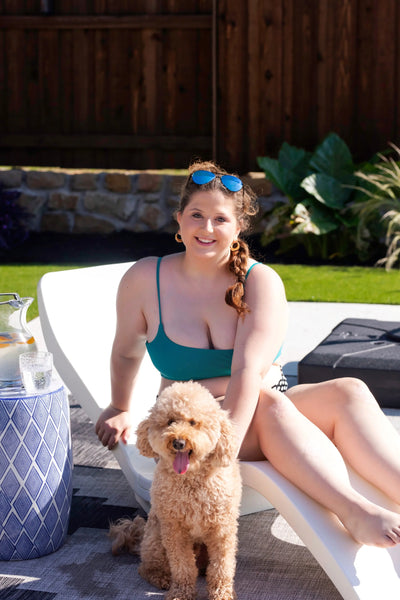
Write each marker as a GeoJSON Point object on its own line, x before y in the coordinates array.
{"type": "Point", "coordinates": [23, 279]}
{"type": "Point", "coordinates": [303, 283]}
{"type": "Point", "coordinates": [340, 284]}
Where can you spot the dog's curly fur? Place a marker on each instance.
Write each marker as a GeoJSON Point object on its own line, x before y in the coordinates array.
{"type": "Point", "coordinates": [198, 506]}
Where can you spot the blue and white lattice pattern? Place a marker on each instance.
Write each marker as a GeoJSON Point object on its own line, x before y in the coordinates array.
{"type": "Point", "coordinates": [35, 474]}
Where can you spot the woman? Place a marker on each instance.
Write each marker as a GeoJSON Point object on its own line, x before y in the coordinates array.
{"type": "Point", "coordinates": [213, 314]}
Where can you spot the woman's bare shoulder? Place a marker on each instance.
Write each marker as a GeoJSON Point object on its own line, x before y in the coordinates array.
{"type": "Point", "coordinates": [143, 271]}
{"type": "Point", "coordinates": [141, 267]}
{"type": "Point", "coordinates": [262, 272]}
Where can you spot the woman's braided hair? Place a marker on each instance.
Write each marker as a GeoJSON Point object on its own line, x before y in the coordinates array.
{"type": "Point", "coordinates": [245, 207]}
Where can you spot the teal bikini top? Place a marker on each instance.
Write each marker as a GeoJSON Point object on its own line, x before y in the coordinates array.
{"type": "Point", "coordinates": [183, 363]}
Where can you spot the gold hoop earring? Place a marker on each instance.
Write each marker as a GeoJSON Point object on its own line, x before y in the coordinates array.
{"type": "Point", "coordinates": [178, 238]}
{"type": "Point", "coordinates": [235, 246]}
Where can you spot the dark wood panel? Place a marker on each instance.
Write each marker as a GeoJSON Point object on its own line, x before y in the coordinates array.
{"type": "Point", "coordinates": [376, 94]}
{"type": "Point", "coordinates": [344, 72]}
{"type": "Point", "coordinates": [112, 81]}
{"type": "Point", "coordinates": [105, 141]}
{"type": "Point", "coordinates": [3, 80]}
{"type": "Point", "coordinates": [66, 102]}
{"type": "Point", "coordinates": [232, 83]}
{"type": "Point", "coordinates": [121, 78]}
{"type": "Point", "coordinates": [288, 65]}
{"type": "Point", "coordinates": [265, 89]}
{"type": "Point", "coordinates": [101, 7]}
{"type": "Point", "coordinates": [16, 113]}
{"type": "Point", "coordinates": [108, 22]}
{"type": "Point", "coordinates": [32, 80]}
{"type": "Point", "coordinates": [304, 98]}
{"type": "Point", "coordinates": [203, 82]}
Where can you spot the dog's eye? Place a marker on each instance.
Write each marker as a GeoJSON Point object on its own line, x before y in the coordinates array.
{"type": "Point", "coordinates": [170, 421]}
{"type": "Point", "coordinates": [192, 422]}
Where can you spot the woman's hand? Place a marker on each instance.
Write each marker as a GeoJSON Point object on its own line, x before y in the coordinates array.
{"type": "Point", "coordinates": [113, 425]}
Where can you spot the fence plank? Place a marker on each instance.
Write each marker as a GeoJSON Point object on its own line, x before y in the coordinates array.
{"type": "Point", "coordinates": [32, 80]}
{"type": "Point", "coordinates": [15, 81]}
{"type": "Point", "coordinates": [3, 80]}
{"type": "Point", "coordinates": [377, 65]}
{"type": "Point", "coordinates": [232, 76]}
{"type": "Point", "coordinates": [265, 76]}
{"type": "Point", "coordinates": [344, 69]}
{"type": "Point", "coordinates": [204, 83]}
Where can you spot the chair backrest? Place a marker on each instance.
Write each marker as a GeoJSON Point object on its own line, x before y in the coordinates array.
{"type": "Point", "coordinates": [78, 318]}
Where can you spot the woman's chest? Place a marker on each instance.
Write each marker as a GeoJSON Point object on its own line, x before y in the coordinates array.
{"type": "Point", "coordinates": [195, 321]}
{"type": "Point", "coordinates": [211, 326]}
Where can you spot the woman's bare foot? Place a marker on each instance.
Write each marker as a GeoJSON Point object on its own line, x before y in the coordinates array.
{"type": "Point", "coordinates": [373, 525]}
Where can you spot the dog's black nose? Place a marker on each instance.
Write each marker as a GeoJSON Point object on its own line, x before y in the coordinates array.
{"type": "Point", "coordinates": [179, 444]}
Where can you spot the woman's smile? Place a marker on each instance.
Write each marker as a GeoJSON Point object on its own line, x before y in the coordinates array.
{"type": "Point", "coordinates": [204, 241]}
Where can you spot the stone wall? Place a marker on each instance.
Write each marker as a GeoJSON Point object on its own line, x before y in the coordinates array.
{"type": "Point", "coordinates": [88, 202]}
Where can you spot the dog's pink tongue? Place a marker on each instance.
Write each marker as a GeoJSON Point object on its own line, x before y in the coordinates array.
{"type": "Point", "coordinates": [181, 462]}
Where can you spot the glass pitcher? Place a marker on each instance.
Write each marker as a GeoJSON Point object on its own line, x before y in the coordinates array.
{"type": "Point", "coordinates": [15, 338]}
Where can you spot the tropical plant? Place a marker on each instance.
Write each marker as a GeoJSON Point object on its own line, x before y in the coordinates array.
{"type": "Point", "coordinates": [316, 208]}
{"type": "Point", "coordinates": [378, 208]}
{"type": "Point", "coordinates": [13, 230]}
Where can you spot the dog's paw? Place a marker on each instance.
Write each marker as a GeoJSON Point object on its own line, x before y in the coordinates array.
{"type": "Point", "coordinates": [222, 593]}
{"type": "Point", "coordinates": [223, 596]}
{"type": "Point", "coordinates": [159, 579]}
{"type": "Point", "coordinates": [181, 592]}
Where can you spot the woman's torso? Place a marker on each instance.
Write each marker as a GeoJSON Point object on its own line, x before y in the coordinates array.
{"type": "Point", "coordinates": [195, 320]}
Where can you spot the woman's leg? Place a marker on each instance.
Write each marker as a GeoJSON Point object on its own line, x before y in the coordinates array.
{"type": "Point", "coordinates": [305, 455]}
{"type": "Point", "coordinates": [345, 410]}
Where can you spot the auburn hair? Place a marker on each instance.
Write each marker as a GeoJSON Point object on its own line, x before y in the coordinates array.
{"type": "Point", "coordinates": [245, 206]}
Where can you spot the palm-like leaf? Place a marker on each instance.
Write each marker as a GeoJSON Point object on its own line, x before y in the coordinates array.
{"type": "Point", "coordinates": [380, 212]}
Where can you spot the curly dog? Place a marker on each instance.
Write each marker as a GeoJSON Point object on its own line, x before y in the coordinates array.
{"type": "Point", "coordinates": [195, 495]}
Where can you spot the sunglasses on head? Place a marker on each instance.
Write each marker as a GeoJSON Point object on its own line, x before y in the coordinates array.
{"type": "Point", "coordinates": [232, 183]}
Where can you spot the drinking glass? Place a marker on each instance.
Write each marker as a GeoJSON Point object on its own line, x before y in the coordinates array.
{"type": "Point", "coordinates": [36, 370]}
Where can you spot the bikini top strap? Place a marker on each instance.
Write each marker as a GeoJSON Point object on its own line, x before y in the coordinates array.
{"type": "Point", "coordinates": [158, 287]}
{"type": "Point", "coordinates": [250, 268]}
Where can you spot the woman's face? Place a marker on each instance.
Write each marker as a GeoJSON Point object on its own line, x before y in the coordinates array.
{"type": "Point", "coordinates": [208, 223]}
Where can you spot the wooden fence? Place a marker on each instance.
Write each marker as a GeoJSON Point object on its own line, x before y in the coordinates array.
{"type": "Point", "coordinates": [154, 83]}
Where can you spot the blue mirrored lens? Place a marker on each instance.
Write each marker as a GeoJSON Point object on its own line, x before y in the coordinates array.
{"type": "Point", "coordinates": [232, 183]}
{"type": "Point", "coordinates": [202, 177]}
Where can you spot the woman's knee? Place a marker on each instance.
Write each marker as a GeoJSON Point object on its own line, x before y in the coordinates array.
{"type": "Point", "coordinates": [349, 390]}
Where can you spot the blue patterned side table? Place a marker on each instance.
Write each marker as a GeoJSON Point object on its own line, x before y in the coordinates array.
{"type": "Point", "coordinates": [35, 472]}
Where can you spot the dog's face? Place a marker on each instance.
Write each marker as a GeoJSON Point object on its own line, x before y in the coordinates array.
{"type": "Point", "coordinates": [186, 427]}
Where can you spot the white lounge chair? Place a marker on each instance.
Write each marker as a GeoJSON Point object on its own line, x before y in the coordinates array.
{"type": "Point", "coordinates": [77, 313]}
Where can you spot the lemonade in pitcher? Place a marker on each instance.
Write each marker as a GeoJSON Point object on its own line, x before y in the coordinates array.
{"type": "Point", "coordinates": [15, 338]}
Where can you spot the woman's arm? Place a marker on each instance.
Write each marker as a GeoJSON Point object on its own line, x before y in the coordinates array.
{"type": "Point", "coordinates": [127, 351]}
{"type": "Point", "coordinates": [259, 337]}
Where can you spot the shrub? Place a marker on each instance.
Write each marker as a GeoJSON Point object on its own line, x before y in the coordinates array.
{"type": "Point", "coordinates": [317, 209]}
{"type": "Point", "coordinates": [378, 208]}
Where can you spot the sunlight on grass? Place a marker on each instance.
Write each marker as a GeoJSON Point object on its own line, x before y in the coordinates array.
{"type": "Point", "coordinates": [23, 280]}
{"type": "Point", "coordinates": [340, 284]}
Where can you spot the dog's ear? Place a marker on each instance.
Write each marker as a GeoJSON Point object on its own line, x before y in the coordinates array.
{"type": "Point", "coordinates": [226, 449]}
{"type": "Point", "coordinates": [142, 440]}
